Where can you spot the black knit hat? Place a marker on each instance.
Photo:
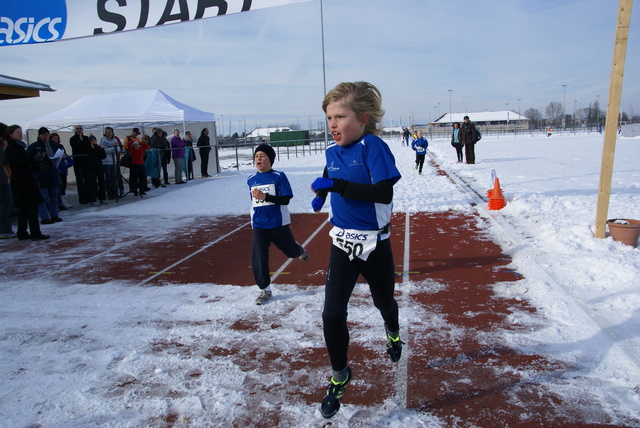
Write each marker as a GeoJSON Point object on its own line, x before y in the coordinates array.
{"type": "Point", "coordinates": [43, 130]}
{"type": "Point", "coordinates": [268, 150]}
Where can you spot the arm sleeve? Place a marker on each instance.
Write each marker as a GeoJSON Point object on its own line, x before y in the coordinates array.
{"type": "Point", "coordinates": [380, 192]}
{"type": "Point", "coordinates": [324, 192]}
{"type": "Point", "coordinates": [278, 200]}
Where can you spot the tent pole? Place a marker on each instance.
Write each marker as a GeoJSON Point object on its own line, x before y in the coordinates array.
{"type": "Point", "coordinates": [613, 107]}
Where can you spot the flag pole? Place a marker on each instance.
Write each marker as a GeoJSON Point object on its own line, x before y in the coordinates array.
{"type": "Point", "coordinates": [613, 108]}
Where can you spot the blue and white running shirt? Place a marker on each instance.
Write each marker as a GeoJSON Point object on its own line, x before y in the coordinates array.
{"type": "Point", "coordinates": [267, 215]}
{"type": "Point", "coordinates": [367, 161]}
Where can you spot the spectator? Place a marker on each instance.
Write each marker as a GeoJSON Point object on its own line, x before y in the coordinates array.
{"type": "Point", "coordinates": [6, 202]}
{"type": "Point", "coordinates": [137, 177]}
{"type": "Point", "coordinates": [95, 173]}
{"type": "Point", "coordinates": [63, 171]}
{"type": "Point", "coordinates": [112, 148]}
{"type": "Point", "coordinates": [160, 145]}
{"type": "Point", "coordinates": [204, 144]}
{"type": "Point", "coordinates": [177, 146]}
{"type": "Point", "coordinates": [42, 153]}
{"type": "Point", "coordinates": [24, 188]}
{"type": "Point", "coordinates": [79, 146]}
{"type": "Point", "coordinates": [190, 155]}
{"type": "Point", "coordinates": [468, 137]}
{"type": "Point", "coordinates": [455, 141]}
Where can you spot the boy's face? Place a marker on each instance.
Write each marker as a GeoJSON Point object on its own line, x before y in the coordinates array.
{"type": "Point", "coordinates": [263, 164]}
{"type": "Point", "coordinates": [344, 125]}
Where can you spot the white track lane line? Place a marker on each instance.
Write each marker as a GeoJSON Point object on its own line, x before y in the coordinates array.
{"type": "Point", "coordinates": [168, 268]}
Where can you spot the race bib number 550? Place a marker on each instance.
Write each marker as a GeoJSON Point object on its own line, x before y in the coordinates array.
{"type": "Point", "coordinates": [356, 243]}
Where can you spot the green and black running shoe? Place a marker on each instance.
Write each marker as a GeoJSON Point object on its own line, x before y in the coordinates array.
{"type": "Point", "coordinates": [394, 347]}
{"type": "Point", "coordinates": [331, 401]}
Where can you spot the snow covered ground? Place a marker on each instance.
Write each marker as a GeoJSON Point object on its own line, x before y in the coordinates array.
{"type": "Point", "coordinates": [586, 290]}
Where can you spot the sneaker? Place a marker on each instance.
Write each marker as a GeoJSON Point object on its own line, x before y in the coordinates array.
{"type": "Point", "coordinates": [331, 402]}
{"type": "Point", "coordinates": [263, 297]}
{"type": "Point", "coordinates": [8, 235]}
{"type": "Point", "coordinates": [394, 347]}
{"type": "Point", "coordinates": [304, 256]}
{"type": "Point", "coordinates": [103, 202]}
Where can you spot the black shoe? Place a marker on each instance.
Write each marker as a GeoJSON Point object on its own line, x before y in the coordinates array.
{"type": "Point", "coordinates": [62, 208]}
{"type": "Point", "coordinates": [143, 193]}
{"type": "Point", "coordinates": [394, 347]}
{"type": "Point", "coordinates": [23, 237]}
{"type": "Point", "coordinates": [56, 219]}
{"type": "Point", "coordinates": [47, 221]}
{"type": "Point", "coordinates": [331, 401]}
{"type": "Point", "coordinates": [39, 237]}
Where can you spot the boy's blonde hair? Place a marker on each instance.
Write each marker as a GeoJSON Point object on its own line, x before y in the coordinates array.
{"type": "Point", "coordinates": [361, 97]}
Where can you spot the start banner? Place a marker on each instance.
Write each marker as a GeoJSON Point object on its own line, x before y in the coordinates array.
{"type": "Point", "coordinates": [41, 21]}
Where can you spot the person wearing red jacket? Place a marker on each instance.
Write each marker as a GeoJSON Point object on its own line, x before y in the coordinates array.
{"type": "Point", "coordinates": [137, 174]}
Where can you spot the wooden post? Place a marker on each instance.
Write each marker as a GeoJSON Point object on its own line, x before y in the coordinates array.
{"type": "Point", "coordinates": [613, 108]}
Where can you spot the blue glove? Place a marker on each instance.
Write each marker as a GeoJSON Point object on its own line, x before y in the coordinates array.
{"type": "Point", "coordinates": [317, 203]}
{"type": "Point", "coordinates": [322, 183]}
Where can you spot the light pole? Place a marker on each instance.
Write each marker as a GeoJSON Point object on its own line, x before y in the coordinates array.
{"type": "Point", "coordinates": [597, 111]}
{"type": "Point", "coordinates": [574, 112]}
{"type": "Point", "coordinates": [564, 106]}
{"type": "Point", "coordinates": [507, 104]}
{"type": "Point", "coordinates": [450, 90]}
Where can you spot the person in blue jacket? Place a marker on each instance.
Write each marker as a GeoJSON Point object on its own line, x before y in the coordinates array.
{"type": "Point", "coordinates": [270, 218]}
{"type": "Point", "coordinates": [360, 174]}
{"type": "Point", "coordinates": [419, 145]}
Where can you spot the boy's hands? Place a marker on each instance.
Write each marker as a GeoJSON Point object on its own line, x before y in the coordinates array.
{"type": "Point", "coordinates": [321, 183]}
{"type": "Point", "coordinates": [317, 203]}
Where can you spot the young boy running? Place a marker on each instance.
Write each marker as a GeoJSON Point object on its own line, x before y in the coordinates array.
{"type": "Point", "coordinates": [270, 195]}
{"type": "Point", "coordinates": [360, 174]}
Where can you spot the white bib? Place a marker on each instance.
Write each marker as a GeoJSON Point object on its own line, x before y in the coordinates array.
{"type": "Point", "coordinates": [356, 243]}
{"type": "Point", "coordinates": [265, 188]}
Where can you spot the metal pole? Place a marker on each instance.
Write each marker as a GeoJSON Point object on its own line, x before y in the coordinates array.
{"type": "Point", "coordinates": [324, 74]}
{"type": "Point", "coordinates": [450, 121]}
{"type": "Point", "coordinates": [564, 106]}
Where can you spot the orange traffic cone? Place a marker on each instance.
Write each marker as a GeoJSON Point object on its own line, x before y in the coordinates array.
{"type": "Point", "coordinates": [496, 200]}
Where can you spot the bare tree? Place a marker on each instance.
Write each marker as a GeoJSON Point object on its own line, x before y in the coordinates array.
{"type": "Point", "coordinates": [554, 112]}
{"type": "Point", "coordinates": [534, 115]}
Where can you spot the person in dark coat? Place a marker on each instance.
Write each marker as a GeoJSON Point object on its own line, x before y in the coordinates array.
{"type": "Point", "coordinates": [204, 144]}
{"type": "Point", "coordinates": [161, 144]}
{"type": "Point", "coordinates": [468, 137]}
{"type": "Point", "coordinates": [24, 187]}
{"type": "Point", "coordinates": [96, 189]}
{"type": "Point", "coordinates": [42, 153]}
{"type": "Point", "coordinates": [79, 146]}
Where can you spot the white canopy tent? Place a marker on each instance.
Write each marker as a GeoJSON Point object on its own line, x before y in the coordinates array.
{"type": "Point", "coordinates": [124, 111]}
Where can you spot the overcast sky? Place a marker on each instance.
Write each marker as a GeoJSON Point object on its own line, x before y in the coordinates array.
{"type": "Point", "coordinates": [264, 67]}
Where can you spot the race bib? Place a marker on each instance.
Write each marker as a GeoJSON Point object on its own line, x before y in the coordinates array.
{"type": "Point", "coordinates": [265, 188]}
{"type": "Point", "coordinates": [356, 243]}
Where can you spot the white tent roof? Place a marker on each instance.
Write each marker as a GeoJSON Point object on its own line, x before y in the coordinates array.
{"type": "Point", "coordinates": [483, 116]}
{"type": "Point", "coordinates": [124, 109]}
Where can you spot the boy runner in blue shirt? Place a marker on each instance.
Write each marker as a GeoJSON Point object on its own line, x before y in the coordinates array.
{"type": "Point", "coordinates": [270, 219]}
{"type": "Point", "coordinates": [360, 174]}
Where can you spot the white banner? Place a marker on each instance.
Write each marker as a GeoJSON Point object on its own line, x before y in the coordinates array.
{"type": "Point", "coordinates": [41, 21]}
